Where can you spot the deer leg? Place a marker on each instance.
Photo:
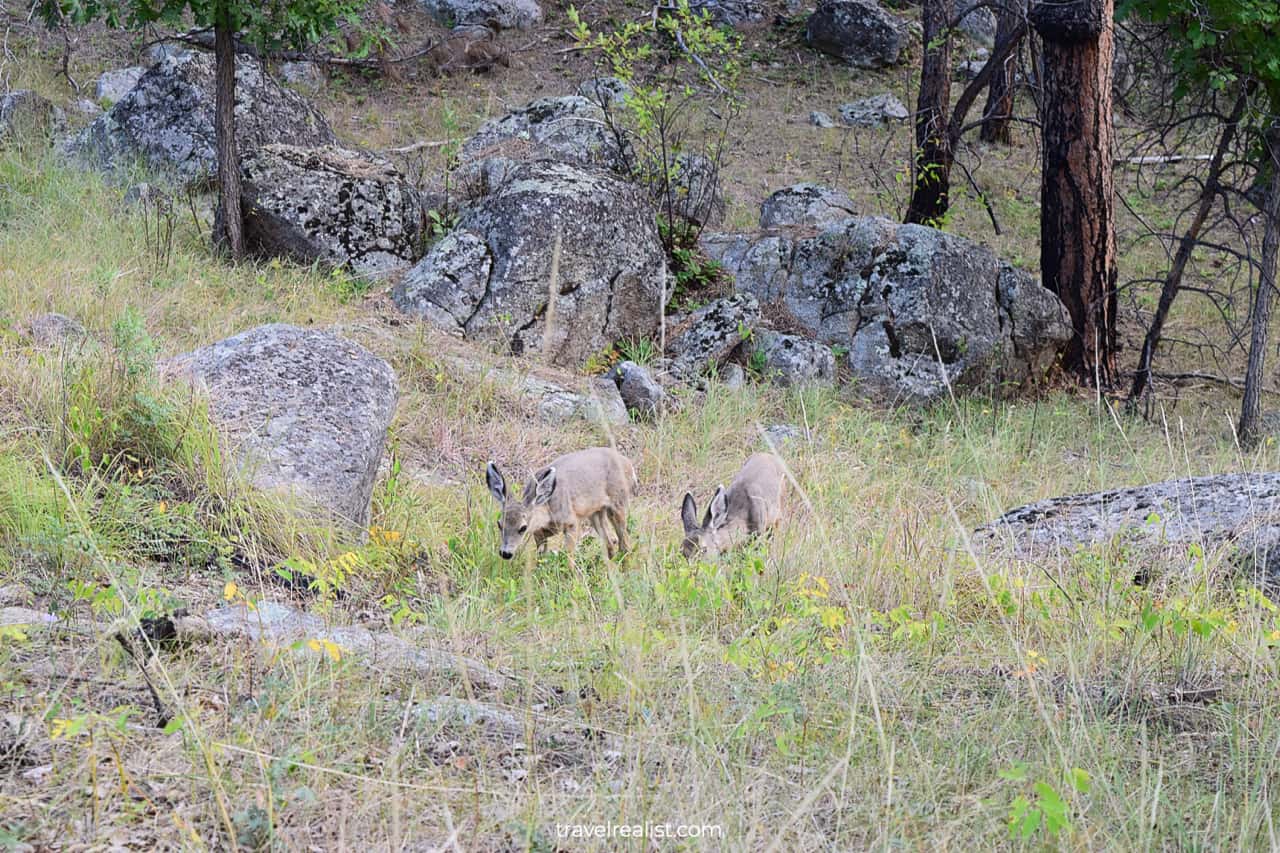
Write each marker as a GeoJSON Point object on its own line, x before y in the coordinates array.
{"type": "Point", "coordinates": [571, 543]}
{"type": "Point", "coordinates": [618, 517]}
{"type": "Point", "coordinates": [598, 525]}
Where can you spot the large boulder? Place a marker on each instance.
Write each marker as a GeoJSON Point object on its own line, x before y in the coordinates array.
{"type": "Point", "coordinates": [1238, 510]}
{"type": "Point", "coordinates": [858, 32]}
{"type": "Point", "coordinates": [709, 336]}
{"type": "Point", "coordinates": [806, 204]}
{"type": "Point", "coordinates": [917, 310]}
{"type": "Point", "coordinates": [979, 23]}
{"type": "Point", "coordinates": [570, 128]}
{"type": "Point", "coordinates": [166, 120]}
{"type": "Point", "coordinates": [501, 14]}
{"type": "Point", "coordinates": [24, 114]}
{"type": "Point", "coordinates": [490, 277]}
{"type": "Point", "coordinates": [332, 205]}
{"type": "Point", "coordinates": [301, 411]}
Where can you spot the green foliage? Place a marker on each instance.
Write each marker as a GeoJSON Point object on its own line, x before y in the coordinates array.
{"type": "Point", "coordinates": [268, 25]}
{"type": "Point", "coordinates": [1217, 43]}
{"type": "Point", "coordinates": [1045, 811]}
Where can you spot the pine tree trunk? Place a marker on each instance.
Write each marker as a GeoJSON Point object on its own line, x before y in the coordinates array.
{"type": "Point", "coordinates": [996, 124]}
{"type": "Point", "coordinates": [228, 223]}
{"type": "Point", "coordinates": [1173, 279]}
{"type": "Point", "coordinates": [1077, 195]}
{"type": "Point", "coordinates": [1250, 430]}
{"type": "Point", "coordinates": [933, 106]}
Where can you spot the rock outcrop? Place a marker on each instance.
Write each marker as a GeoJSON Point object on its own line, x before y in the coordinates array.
{"type": "Point", "coordinates": [569, 128]}
{"type": "Point", "coordinates": [340, 207]}
{"type": "Point", "coordinates": [165, 121]}
{"type": "Point", "coordinates": [491, 276]}
{"type": "Point", "coordinates": [501, 14]}
{"type": "Point", "coordinates": [710, 335]}
{"type": "Point", "coordinates": [302, 412]}
{"type": "Point", "coordinates": [916, 309]}
{"type": "Point", "coordinates": [1237, 510]}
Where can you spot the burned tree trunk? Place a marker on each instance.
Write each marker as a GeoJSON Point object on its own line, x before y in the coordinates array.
{"type": "Point", "coordinates": [1077, 198]}
{"type": "Point", "coordinates": [1250, 430]}
{"type": "Point", "coordinates": [996, 116]}
{"type": "Point", "coordinates": [228, 223]}
{"type": "Point", "coordinates": [933, 106]}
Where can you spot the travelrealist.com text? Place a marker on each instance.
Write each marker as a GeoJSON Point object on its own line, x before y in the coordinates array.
{"type": "Point", "coordinates": [639, 830]}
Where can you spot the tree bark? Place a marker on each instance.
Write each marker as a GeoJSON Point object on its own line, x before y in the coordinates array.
{"type": "Point", "coordinates": [933, 106]}
{"type": "Point", "coordinates": [228, 223]}
{"type": "Point", "coordinates": [996, 124]}
{"type": "Point", "coordinates": [1186, 245]}
{"type": "Point", "coordinates": [1250, 430]}
{"type": "Point", "coordinates": [1077, 194]}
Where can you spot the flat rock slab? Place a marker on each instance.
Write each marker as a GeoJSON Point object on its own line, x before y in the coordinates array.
{"type": "Point", "coordinates": [275, 624]}
{"type": "Point", "coordinates": [1238, 509]}
{"type": "Point", "coordinates": [302, 411]}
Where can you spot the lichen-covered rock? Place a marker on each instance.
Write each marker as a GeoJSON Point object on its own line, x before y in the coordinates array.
{"type": "Point", "coordinates": [875, 111]}
{"type": "Point", "coordinates": [166, 120]}
{"type": "Point", "coordinates": [917, 309]}
{"type": "Point", "coordinates": [490, 277]}
{"type": "Point", "coordinates": [301, 411]}
{"type": "Point", "coordinates": [340, 207]}
{"type": "Point", "coordinates": [790, 360]}
{"type": "Point", "coordinates": [640, 392]}
{"type": "Point", "coordinates": [600, 404]}
{"type": "Point", "coordinates": [858, 32]}
{"type": "Point", "coordinates": [111, 86]}
{"type": "Point", "coordinates": [24, 115]}
{"type": "Point", "coordinates": [805, 204]}
{"type": "Point", "coordinates": [711, 334]}
{"type": "Point", "coordinates": [304, 75]}
{"type": "Point", "coordinates": [605, 91]}
{"type": "Point", "coordinates": [1242, 510]}
{"type": "Point", "coordinates": [569, 128]}
{"type": "Point", "coordinates": [502, 14]}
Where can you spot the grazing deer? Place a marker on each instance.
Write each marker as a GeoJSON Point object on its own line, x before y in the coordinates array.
{"type": "Point", "coordinates": [592, 485]}
{"type": "Point", "coordinates": [751, 504]}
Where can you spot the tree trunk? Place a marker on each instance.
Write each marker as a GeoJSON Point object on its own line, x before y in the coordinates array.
{"type": "Point", "coordinates": [996, 124]}
{"type": "Point", "coordinates": [933, 106]}
{"type": "Point", "coordinates": [1250, 430]}
{"type": "Point", "coordinates": [1077, 197]}
{"type": "Point", "coordinates": [228, 223]}
{"type": "Point", "coordinates": [1173, 279]}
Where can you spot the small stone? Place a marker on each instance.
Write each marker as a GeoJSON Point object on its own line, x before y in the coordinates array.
{"type": "Point", "coordinates": [817, 118]}
{"type": "Point", "coordinates": [304, 75]}
{"type": "Point", "coordinates": [53, 330]}
{"type": "Point", "coordinates": [876, 111]}
{"type": "Point", "coordinates": [640, 391]}
{"type": "Point", "coordinates": [733, 376]}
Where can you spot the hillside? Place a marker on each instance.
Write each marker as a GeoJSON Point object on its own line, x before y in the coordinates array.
{"type": "Point", "coordinates": [188, 661]}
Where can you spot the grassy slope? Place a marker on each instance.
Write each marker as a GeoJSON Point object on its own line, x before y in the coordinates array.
{"type": "Point", "coordinates": [889, 702]}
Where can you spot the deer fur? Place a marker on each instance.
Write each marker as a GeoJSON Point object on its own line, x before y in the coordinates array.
{"type": "Point", "coordinates": [752, 504]}
{"type": "Point", "coordinates": [589, 486]}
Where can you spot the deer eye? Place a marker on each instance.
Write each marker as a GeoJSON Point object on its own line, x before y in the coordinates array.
{"type": "Point", "coordinates": [523, 528]}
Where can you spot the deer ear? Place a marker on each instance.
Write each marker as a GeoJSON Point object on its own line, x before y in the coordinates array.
{"type": "Point", "coordinates": [689, 514]}
{"type": "Point", "coordinates": [718, 512]}
{"type": "Point", "coordinates": [497, 483]}
{"type": "Point", "coordinates": [544, 486]}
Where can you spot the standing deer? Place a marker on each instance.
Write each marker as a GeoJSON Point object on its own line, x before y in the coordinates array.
{"type": "Point", "coordinates": [589, 485]}
{"type": "Point", "coordinates": [752, 504]}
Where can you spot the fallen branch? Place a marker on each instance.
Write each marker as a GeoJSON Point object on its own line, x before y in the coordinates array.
{"type": "Point", "coordinates": [1150, 159]}
{"type": "Point", "coordinates": [1194, 376]}
{"type": "Point", "coordinates": [417, 146]}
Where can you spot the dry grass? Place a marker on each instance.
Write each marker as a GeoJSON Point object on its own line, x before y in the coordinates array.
{"type": "Point", "coordinates": [863, 680]}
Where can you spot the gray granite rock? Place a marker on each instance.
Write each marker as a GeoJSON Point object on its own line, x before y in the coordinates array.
{"type": "Point", "coordinates": [858, 32]}
{"type": "Point", "coordinates": [711, 334]}
{"type": "Point", "coordinates": [301, 412]}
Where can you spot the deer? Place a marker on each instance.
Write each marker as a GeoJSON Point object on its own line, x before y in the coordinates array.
{"type": "Point", "coordinates": [751, 505]}
{"type": "Point", "coordinates": [591, 486]}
